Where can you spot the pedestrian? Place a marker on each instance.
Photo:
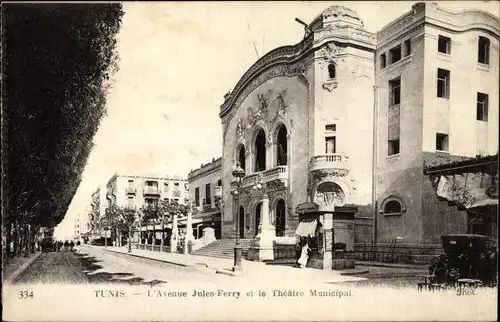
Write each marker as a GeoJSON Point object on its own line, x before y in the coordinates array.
{"type": "Point", "coordinates": [66, 244]}
{"type": "Point", "coordinates": [304, 256]}
{"type": "Point", "coordinates": [298, 251]}
{"type": "Point", "coordinates": [72, 245]}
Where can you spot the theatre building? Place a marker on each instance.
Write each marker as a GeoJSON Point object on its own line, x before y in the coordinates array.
{"type": "Point", "coordinates": [300, 124]}
{"type": "Point", "coordinates": [334, 133]}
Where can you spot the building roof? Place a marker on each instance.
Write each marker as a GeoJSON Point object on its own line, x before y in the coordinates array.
{"type": "Point", "coordinates": [462, 164]}
{"type": "Point", "coordinates": [337, 13]}
{"type": "Point", "coordinates": [215, 165]}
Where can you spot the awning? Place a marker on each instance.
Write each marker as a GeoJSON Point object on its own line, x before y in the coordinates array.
{"type": "Point", "coordinates": [484, 203]}
{"type": "Point", "coordinates": [307, 227]}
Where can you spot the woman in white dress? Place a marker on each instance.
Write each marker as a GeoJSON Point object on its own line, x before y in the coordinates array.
{"type": "Point", "coordinates": [304, 256]}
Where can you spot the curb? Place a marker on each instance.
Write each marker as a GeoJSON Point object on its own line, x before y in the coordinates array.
{"type": "Point", "coordinates": [423, 267]}
{"type": "Point", "coordinates": [202, 266]}
{"type": "Point", "coordinates": [150, 258]}
{"type": "Point", "coordinates": [228, 273]}
{"type": "Point", "coordinates": [359, 272]}
{"type": "Point", "coordinates": [15, 276]}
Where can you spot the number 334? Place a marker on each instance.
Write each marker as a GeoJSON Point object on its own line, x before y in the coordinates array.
{"type": "Point", "coordinates": [25, 295]}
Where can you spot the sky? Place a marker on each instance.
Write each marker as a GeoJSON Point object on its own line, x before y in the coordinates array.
{"type": "Point", "coordinates": [177, 60]}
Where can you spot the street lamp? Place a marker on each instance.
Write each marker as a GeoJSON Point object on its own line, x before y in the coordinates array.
{"type": "Point", "coordinates": [238, 173]}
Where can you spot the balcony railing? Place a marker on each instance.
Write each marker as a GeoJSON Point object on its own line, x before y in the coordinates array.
{"type": "Point", "coordinates": [276, 173]}
{"type": "Point", "coordinates": [130, 191]}
{"type": "Point", "coordinates": [151, 191]}
{"type": "Point", "coordinates": [329, 161]}
{"type": "Point", "coordinates": [176, 194]}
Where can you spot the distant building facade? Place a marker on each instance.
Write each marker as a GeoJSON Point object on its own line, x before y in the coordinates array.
{"type": "Point", "coordinates": [338, 128]}
{"type": "Point", "coordinates": [138, 191]}
{"type": "Point", "coordinates": [96, 213]}
{"type": "Point", "coordinates": [205, 195]}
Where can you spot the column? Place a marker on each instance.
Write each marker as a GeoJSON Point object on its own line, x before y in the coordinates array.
{"type": "Point", "coordinates": [328, 241]}
{"type": "Point", "coordinates": [265, 239]}
{"type": "Point", "coordinates": [189, 233]}
{"type": "Point", "coordinates": [269, 154]}
{"type": "Point", "coordinates": [174, 237]}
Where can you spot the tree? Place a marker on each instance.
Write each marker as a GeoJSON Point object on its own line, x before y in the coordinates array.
{"type": "Point", "coordinates": [58, 62]}
{"type": "Point", "coordinates": [128, 219]}
{"type": "Point", "coordinates": [163, 212]}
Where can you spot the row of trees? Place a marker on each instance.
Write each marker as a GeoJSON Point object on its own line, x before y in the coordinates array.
{"type": "Point", "coordinates": [57, 63]}
{"type": "Point", "coordinates": [129, 219]}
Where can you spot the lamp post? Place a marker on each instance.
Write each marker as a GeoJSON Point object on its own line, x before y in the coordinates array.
{"type": "Point", "coordinates": [238, 173]}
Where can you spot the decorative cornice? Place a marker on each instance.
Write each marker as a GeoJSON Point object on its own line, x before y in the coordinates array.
{"type": "Point", "coordinates": [430, 13]}
{"type": "Point", "coordinates": [285, 55]}
{"type": "Point", "coordinates": [209, 168]}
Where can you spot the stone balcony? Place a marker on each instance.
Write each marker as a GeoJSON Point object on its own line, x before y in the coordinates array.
{"type": "Point", "coordinates": [155, 191]}
{"type": "Point", "coordinates": [276, 174]}
{"type": "Point", "coordinates": [338, 161]}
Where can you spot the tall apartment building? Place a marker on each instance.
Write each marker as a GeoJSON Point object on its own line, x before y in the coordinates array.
{"type": "Point", "coordinates": [137, 191]}
{"type": "Point", "coordinates": [205, 195]}
{"type": "Point", "coordinates": [437, 78]}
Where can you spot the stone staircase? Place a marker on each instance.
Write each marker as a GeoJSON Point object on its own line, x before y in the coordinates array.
{"type": "Point", "coordinates": [223, 248]}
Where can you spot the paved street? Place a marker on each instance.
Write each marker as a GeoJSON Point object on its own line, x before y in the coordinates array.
{"type": "Point", "coordinates": [95, 265]}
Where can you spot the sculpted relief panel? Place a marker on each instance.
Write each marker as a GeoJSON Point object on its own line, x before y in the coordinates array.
{"type": "Point", "coordinates": [266, 105]}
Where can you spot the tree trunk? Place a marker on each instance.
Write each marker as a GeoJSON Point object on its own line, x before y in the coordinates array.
{"type": "Point", "coordinates": [16, 239]}
{"type": "Point", "coordinates": [8, 239]}
{"type": "Point", "coordinates": [129, 242]}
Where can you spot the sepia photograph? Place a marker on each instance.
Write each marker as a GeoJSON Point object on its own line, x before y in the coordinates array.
{"type": "Point", "coordinates": [250, 161]}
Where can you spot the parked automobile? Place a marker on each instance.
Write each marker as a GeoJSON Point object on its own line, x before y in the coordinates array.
{"type": "Point", "coordinates": [466, 256]}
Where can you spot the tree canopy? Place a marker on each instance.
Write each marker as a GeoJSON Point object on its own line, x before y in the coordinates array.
{"type": "Point", "coordinates": [58, 62]}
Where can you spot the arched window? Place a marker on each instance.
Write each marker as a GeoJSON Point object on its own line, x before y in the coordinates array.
{"type": "Point", "coordinates": [260, 151]}
{"type": "Point", "coordinates": [241, 156]}
{"type": "Point", "coordinates": [282, 146]}
{"type": "Point", "coordinates": [332, 71]}
{"type": "Point", "coordinates": [392, 207]}
{"type": "Point", "coordinates": [280, 212]}
{"type": "Point", "coordinates": [258, 212]}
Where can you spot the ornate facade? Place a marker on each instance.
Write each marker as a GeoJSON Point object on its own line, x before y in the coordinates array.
{"type": "Point", "coordinates": [293, 123]}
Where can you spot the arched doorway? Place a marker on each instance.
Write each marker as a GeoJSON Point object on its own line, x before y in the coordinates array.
{"type": "Point", "coordinates": [260, 151]}
{"type": "Point", "coordinates": [280, 212]}
{"type": "Point", "coordinates": [258, 212]}
{"type": "Point", "coordinates": [241, 156]}
{"type": "Point", "coordinates": [241, 222]}
{"type": "Point", "coordinates": [282, 146]}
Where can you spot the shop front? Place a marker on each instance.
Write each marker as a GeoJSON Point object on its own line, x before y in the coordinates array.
{"type": "Point", "coordinates": [329, 233]}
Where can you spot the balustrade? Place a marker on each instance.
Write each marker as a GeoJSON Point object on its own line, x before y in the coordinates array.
{"type": "Point", "coordinates": [329, 161]}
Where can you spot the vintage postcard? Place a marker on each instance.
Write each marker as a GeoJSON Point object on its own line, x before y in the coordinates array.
{"type": "Point", "coordinates": [250, 161]}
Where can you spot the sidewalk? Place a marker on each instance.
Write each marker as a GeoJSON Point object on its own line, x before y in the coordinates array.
{"type": "Point", "coordinates": [251, 269]}
{"type": "Point", "coordinates": [16, 266]}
